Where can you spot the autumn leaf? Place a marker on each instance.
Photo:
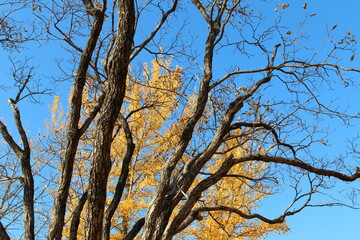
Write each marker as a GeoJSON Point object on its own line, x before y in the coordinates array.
{"type": "Point", "coordinates": [304, 5]}
{"type": "Point", "coordinates": [335, 26]}
{"type": "Point", "coordinates": [244, 88]}
{"type": "Point", "coordinates": [288, 33]}
{"type": "Point", "coordinates": [312, 15]}
{"type": "Point", "coordinates": [348, 32]}
{"type": "Point", "coordinates": [283, 6]}
{"type": "Point", "coordinates": [352, 57]}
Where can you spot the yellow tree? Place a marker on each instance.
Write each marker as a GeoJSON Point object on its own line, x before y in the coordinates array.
{"type": "Point", "coordinates": [242, 189]}
{"type": "Point", "coordinates": [152, 104]}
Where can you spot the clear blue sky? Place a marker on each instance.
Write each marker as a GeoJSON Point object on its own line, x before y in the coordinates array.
{"type": "Point", "coordinates": [326, 223]}
{"type": "Point", "coordinates": [313, 223]}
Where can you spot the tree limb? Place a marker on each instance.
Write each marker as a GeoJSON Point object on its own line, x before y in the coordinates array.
{"type": "Point", "coordinates": [73, 137]}
{"type": "Point", "coordinates": [155, 31]}
{"type": "Point", "coordinates": [75, 220]}
{"type": "Point", "coordinates": [264, 126]}
{"type": "Point", "coordinates": [299, 164]}
{"type": "Point", "coordinates": [135, 230]}
{"type": "Point", "coordinates": [120, 186]}
{"type": "Point", "coordinates": [27, 179]}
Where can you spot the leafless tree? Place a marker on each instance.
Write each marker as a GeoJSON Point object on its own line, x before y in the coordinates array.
{"type": "Point", "coordinates": [269, 98]}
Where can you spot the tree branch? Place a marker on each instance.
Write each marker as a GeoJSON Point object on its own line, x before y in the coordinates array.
{"type": "Point", "coordinates": [135, 230]}
{"type": "Point", "coordinates": [242, 214]}
{"type": "Point", "coordinates": [27, 179]}
{"type": "Point", "coordinates": [155, 31]}
{"type": "Point", "coordinates": [3, 233]}
{"type": "Point", "coordinates": [120, 186]}
{"type": "Point", "coordinates": [264, 126]}
{"type": "Point", "coordinates": [299, 164]}
{"type": "Point", "coordinates": [75, 220]}
{"type": "Point", "coordinates": [73, 136]}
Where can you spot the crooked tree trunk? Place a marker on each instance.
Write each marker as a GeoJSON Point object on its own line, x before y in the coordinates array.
{"type": "Point", "coordinates": [74, 133]}
{"type": "Point", "coordinates": [27, 179]}
{"type": "Point", "coordinates": [116, 85]}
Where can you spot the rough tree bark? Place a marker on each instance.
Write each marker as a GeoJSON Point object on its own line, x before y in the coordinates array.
{"type": "Point", "coordinates": [27, 179]}
{"type": "Point", "coordinates": [74, 131]}
{"type": "Point", "coordinates": [120, 186]}
{"type": "Point", "coordinates": [3, 233]}
{"type": "Point", "coordinates": [115, 92]}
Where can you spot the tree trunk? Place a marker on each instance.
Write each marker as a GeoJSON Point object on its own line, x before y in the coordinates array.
{"type": "Point", "coordinates": [3, 233]}
{"type": "Point", "coordinates": [74, 134]}
{"type": "Point", "coordinates": [28, 198]}
{"type": "Point", "coordinates": [27, 179]}
{"type": "Point", "coordinates": [116, 85]}
{"type": "Point", "coordinates": [120, 186]}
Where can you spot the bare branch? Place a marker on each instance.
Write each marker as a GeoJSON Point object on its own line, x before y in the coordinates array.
{"type": "Point", "coordinates": [120, 186]}
{"type": "Point", "coordinates": [57, 223]}
{"type": "Point", "coordinates": [242, 214]}
{"type": "Point", "coordinates": [8, 138]}
{"type": "Point", "coordinates": [135, 230]}
{"type": "Point", "coordinates": [201, 8]}
{"type": "Point", "coordinates": [75, 220]}
{"type": "Point", "coordinates": [299, 164]}
{"type": "Point", "coordinates": [267, 127]}
{"type": "Point", "coordinates": [27, 179]}
{"type": "Point", "coordinates": [163, 19]}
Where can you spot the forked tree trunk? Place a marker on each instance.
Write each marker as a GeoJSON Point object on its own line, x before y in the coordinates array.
{"type": "Point", "coordinates": [116, 86]}
{"type": "Point", "coordinates": [27, 179]}
{"type": "Point", "coordinates": [74, 132]}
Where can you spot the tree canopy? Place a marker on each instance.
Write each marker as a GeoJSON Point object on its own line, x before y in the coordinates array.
{"type": "Point", "coordinates": [181, 117]}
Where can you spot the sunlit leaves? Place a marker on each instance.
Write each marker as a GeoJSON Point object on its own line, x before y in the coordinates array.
{"type": "Point", "coordinates": [152, 111]}
{"type": "Point", "coordinates": [240, 190]}
{"type": "Point", "coordinates": [349, 39]}
{"type": "Point", "coordinates": [283, 6]}
{"type": "Point", "coordinates": [150, 102]}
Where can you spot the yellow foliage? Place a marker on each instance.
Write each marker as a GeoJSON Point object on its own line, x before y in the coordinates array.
{"type": "Point", "coordinates": [237, 191]}
{"type": "Point", "coordinates": [151, 108]}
